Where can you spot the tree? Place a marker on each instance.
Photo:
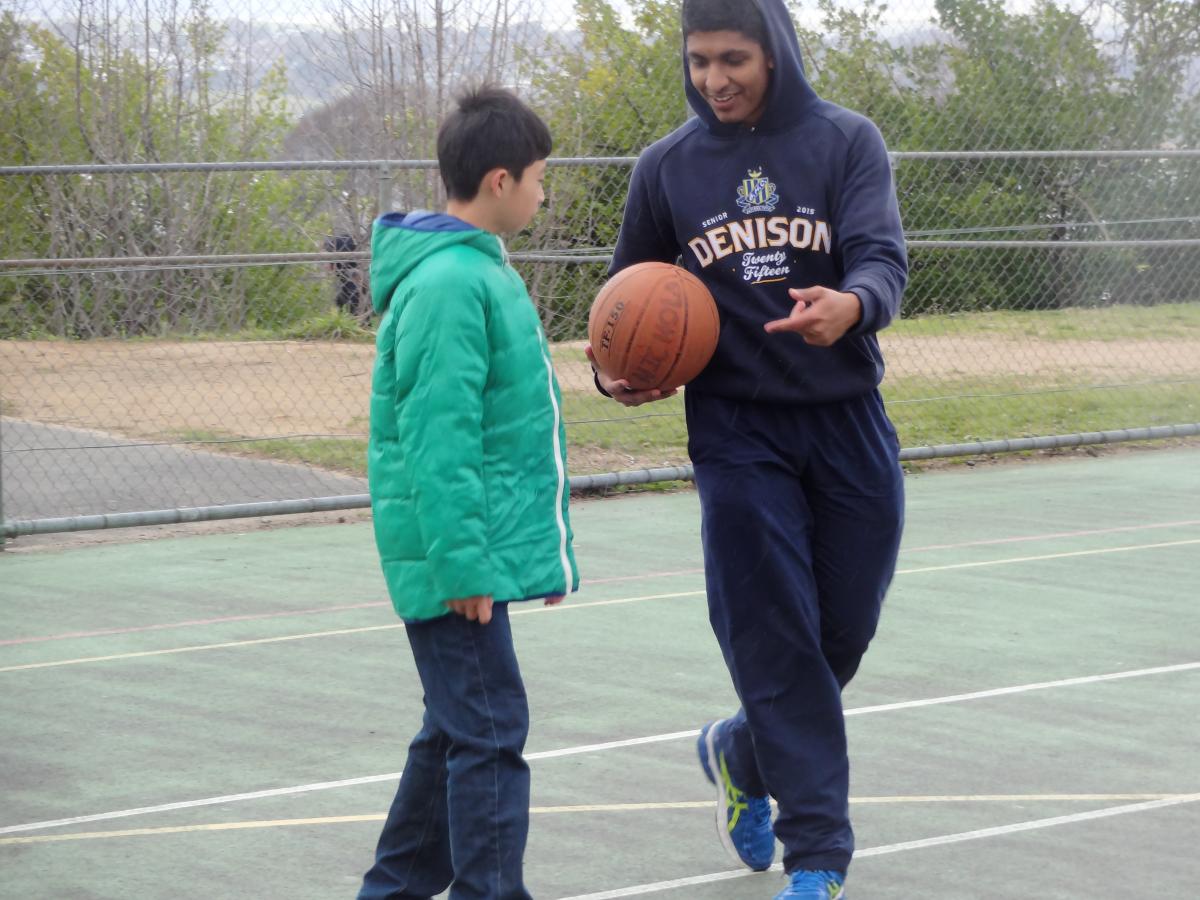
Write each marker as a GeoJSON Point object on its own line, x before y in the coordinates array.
{"type": "Point", "coordinates": [96, 99]}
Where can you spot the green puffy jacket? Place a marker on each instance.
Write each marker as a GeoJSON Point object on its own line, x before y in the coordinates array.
{"type": "Point", "coordinates": [467, 457]}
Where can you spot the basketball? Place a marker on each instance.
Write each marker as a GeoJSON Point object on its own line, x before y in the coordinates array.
{"type": "Point", "coordinates": [654, 325]}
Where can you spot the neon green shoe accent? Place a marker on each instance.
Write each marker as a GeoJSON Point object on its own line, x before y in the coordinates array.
{"type": "Point", "coordinates": [735, 800]}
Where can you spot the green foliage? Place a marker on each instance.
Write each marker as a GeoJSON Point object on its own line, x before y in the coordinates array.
{"type": "Point", "coordinates": [101, 102]}
{"type": "Point", "coordinates": [995, 76]}
{"type": "Point", "coordinates": [330, 325]}
{"type": "Point", "coordinates": [1038, 79]}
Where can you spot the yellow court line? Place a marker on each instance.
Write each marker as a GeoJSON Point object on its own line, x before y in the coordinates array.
{"type": "Point", "coordinates": [552, 810]}
{"type": "Point", "coordinates": [193, 649]}
{"type": "Point", "coordinates": [566, 607]}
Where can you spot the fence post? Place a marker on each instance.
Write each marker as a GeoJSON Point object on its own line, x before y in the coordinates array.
{"type": "Point", "coordinates": [385, 189]}
{"type": "Point", "coordinates": [2, 538]}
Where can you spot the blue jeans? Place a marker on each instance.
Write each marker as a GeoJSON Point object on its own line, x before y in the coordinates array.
{"type": "Point", "coordinates": [461, 814]}
{"type": "Point", "coordinates": [802, 509]}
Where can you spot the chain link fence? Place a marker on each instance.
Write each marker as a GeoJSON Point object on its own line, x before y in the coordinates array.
{"type": "Point", "coordinates": [188, 188]}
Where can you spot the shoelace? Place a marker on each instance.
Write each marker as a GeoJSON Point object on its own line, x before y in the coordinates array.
{"type": "Point", "coordinates": [734, 799]}
{"type": "Point", "coordinates": [817, 880]}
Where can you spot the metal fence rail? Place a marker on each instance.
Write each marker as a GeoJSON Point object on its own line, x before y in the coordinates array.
{"type": "Point", "coordinates": [176, 238]}
{"type": "Point", "coordinates": [1013, 344]}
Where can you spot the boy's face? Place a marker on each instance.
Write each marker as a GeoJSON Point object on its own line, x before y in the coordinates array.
{"type": "Point", "coordinates": [520, 200]}
{"type": "Point", "coordinates": [732, 73]}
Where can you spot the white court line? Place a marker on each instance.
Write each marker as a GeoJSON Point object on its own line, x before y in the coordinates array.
{"type": "Point", "coordinates": [990, 542]}
{"type": "Point", "coordinates": [210, 827]}
{"type": "Point", "coordinates": [587, 748]}
{"type": "Point", "coordinates": [942, 840]}
{"type": "Point", "coordinates": [1021, 559]}
{"type": "Point", "coordinates": [585, 583]}
{"type": "Point", "coordinates": [1022, 689]}
{"type": "Point", "coordinates": [561, 810]}
{"type": "Point", "coordinates": [563, 608]}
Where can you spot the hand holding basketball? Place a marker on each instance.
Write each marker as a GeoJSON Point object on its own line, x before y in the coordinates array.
{"type": "Point", "coordinates": [821, 316]}
{"type": "Point", "coordinates": [619, 389]}
{"type": "Point", "coordinates": [652, 327]}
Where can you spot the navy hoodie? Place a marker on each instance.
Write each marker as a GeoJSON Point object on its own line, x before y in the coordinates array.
{"type": "Point", "coordinates": [803, 198]}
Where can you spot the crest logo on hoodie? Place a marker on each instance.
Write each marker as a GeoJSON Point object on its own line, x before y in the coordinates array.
{"type": "Point", "coordinates": [757, 193]}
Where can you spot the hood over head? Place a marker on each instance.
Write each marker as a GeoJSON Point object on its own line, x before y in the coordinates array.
{"type": "Point", "coordinates": [789, 94]}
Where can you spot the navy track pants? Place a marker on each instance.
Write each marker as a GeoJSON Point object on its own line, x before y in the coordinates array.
{"type": "Point", "coordinates": [802, 509]}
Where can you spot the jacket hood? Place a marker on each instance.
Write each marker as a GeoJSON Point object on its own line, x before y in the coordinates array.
{"type": "Point", "coordinates": [402, 241]}
{"type": "Point", "coordinates": [789, 93]}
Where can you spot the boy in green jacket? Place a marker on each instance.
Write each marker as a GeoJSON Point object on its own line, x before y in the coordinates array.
{"type": "Point", "coordinates": [468, 479]}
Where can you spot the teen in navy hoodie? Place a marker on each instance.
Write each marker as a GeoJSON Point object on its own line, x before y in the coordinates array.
{"type": "Point", "coordinates": [784, 205]}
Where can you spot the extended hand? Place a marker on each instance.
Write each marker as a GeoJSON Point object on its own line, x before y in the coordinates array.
{"type": "Point", "coordinates": [477, 609]}
{"type": "Point", "coordinates": [821, 316]}
{"type": "Point", "coordinates": [620, 390]}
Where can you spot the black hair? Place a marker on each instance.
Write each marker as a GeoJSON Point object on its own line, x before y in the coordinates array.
{"type": "Point", "coordinates": [743, 16]}
{"type": "Point", "coordinates": [490, 129]}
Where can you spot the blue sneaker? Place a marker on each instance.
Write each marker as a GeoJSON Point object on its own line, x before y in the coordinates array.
{"type": "Point", "coordinates": [743, 822]}
{"type": "Point", "coordinates": [809, 884]}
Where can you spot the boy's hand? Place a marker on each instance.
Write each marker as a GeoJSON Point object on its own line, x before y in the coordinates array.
{"type": "Point", "coordinates": [477, 609]}
{"type": "Point", "coordinates": [619, 389]}
{"type": "Point", "coordinates": [821, 316]}
{"type": "Point", "coordinates": [554, 600]}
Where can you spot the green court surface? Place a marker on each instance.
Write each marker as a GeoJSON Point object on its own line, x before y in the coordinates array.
{"type": "Point", "coordinates": [225, 716]}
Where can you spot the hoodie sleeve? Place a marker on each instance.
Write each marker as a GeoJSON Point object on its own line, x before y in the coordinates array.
{"type": "Point", "coordinates": [442, 362]}
{"type": "Point", "coordinates": [871, 238]}
{"type": "Point", "coordinates": [646, 234]}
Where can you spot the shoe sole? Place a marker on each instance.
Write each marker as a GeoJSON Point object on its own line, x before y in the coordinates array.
{"type": "Point", "coordinates": [722, 818]}
{"type": "Point", "coordinates": [840, 895]}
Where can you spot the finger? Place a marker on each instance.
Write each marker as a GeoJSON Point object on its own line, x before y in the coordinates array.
{"type": "Point", "coordinates": [633, 397]}
{"type": "Point", "coordinates": [590, 355]}
{"type": "Point", "coordinates": [649, 396]}
{"type": "Point", "coordinates": [554, 601]}
{"type": "Point", "coordinates": [808, 295]}
{"type": "Point", "coordinates": [455, 606]}
{"type": "Point", "coordinates": [484, 611]}
{"type": "Point", "coordinates": [799, 319]}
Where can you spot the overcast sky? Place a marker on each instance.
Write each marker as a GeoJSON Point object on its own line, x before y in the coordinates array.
{"type": "Point", "coordinates": [554, 13]}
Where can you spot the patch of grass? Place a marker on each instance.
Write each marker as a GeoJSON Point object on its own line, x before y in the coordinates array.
{"type": "Point", "coordinates": [334, 325]}
{"type": "Point", "coordinates": [347, 455]}
{"type": "Point", "coordinates": [1115, 323]}
{"type": "Point", "coordinates": [605, 436]}
{"type": "Point", "coordinates": [652, 430]}
{"type": "Point", "coordinates": [562, 353]}
{"type": "Point", "coordinates": [988, 409]}
{"type": "Point", "coordinates": [330, 325]}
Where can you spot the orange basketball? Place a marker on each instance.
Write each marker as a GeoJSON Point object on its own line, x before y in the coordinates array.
{"type": "Point", "coordinates": [655, 325]}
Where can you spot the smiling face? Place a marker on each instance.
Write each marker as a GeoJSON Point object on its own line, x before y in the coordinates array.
{"type": "Point", "coordinates": [732, 72]}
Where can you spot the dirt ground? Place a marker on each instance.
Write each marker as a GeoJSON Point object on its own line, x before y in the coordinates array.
{"type": "Point", "coordinates": [149, 389]}
{"type": "Point", "coordinates": [276, 388]}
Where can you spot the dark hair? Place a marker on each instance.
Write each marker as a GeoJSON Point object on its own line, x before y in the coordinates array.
{"type": "Point", "coordinates": [726, 15]}
{"type": "Point", "coordinates": [490, 129]}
